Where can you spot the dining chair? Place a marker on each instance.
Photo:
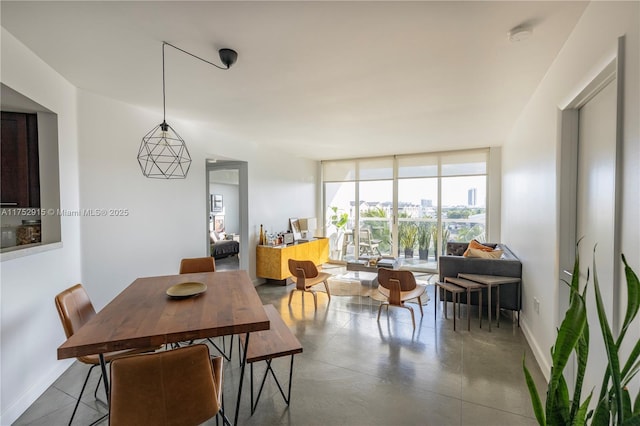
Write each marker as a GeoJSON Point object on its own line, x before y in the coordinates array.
{"type": "Point", "coordinates": [197, 264]}
{"type": "Point", "coordinates": [75, 309]}
{"type": "Point", "coordinates": [367, 244]}
{"type": "Point", "coordinates": [178, 387]}
{"type": "Point", "coordinates": [205, 264]}
{"type": "Point", "coordinates": [305, 274]}
{"type": "Point", "coordinates": [398, 287]}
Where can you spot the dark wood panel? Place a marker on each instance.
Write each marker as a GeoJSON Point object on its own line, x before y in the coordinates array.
{"type": "Point", "coordinates": [15, 160]}
{"type": "Point", "coordinates": [20, 160]}
{"type": "Point", "coordinates": [33, 155]}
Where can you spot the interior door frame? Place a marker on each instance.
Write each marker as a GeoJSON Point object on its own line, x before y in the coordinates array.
{"type": "Point", "coordinates": [243, 201]}
{"type": "Point", "coordinates": [567, 166]}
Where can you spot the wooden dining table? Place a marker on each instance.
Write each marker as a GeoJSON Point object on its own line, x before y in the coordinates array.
{"type": "Point", "coordinates": [143, 315]}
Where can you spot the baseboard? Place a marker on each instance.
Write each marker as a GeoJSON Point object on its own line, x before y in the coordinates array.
{"type": "Point", "coordinates": [24, 401]}
{"type": "Point", "coordinates": [538, 353]}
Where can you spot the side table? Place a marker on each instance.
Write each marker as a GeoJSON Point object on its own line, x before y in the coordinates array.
{"type": "Point", "coordinates": [470, 286]}
{"type": "Point", "coordinates": [497, 281]}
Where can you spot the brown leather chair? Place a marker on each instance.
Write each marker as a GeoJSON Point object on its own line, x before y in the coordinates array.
{"type": "Point", "coordinates": [197, 264]}
{"type": "Point", "coordinates": [398, 287]}
{"type": "Point", "coordinates": [305, 274]}
{"type": "Point", "coordinates": [75, 309]}
{"type": "Point", "coordinates": [180, 387]}
{"type": "Point", "coordinates": [205, 264]}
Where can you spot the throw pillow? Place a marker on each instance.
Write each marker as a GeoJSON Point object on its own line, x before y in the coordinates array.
{"type": "Point", "coordinates": [493, 254]}
{"type": "Point", "coordinates": [474, 244]}
{"type": "Point", "coordinates": [213, 236]}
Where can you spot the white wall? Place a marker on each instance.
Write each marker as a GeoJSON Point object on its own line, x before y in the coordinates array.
{"type": "Point", "coordinates": [167, 219]}
{"type": "Point", "coordinates": [530, 165]}
{"type": "Point", "coordinates": [30, 329]}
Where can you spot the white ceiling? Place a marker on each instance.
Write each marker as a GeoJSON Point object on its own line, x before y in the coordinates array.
{"type": "Point", "coordinates": [322, 79]}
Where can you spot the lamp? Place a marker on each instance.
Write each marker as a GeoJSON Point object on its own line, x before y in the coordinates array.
{"type": "Point", "coordinates": [163, 154]}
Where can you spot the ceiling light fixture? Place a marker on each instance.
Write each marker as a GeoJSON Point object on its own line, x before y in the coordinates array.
{"type": "Point", "coordinates": [163, 154]}
{"type": "Point", "coordinates": [519, 33]}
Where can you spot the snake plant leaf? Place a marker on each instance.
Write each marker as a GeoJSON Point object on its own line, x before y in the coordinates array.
{"type": "Point", "coordinates": [583, 413]}
{"type": "Point", "coordinates": [627, 408]}
{"type": "Point", "coordinates": [582, 354]}
{"type": "Point", "coordinates": [626, 378]}
{"type": "Point", "coordinates": [632, 421]}
{"type": "Point", "coordinates": [538, 409]}
{"type": "Point", "coordinates": [610, 346]}
{"type": "Point", "coordinates": [602, 414]}
{"type": "Point", "coordinates": [561, 407]}
{"type": "Point", "coordinates": [633, 358]}
{"type": "Point", "coordinates": [568, 335]}
{"type": "Point", "coordinates": [633, 298]}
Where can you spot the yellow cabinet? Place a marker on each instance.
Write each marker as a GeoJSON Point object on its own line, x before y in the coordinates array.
{"type": "Point", "coordinates": [272, 262]}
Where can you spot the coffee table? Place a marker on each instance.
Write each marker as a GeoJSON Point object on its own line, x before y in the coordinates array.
{"type": "Point", "coordinates": [365, 277]}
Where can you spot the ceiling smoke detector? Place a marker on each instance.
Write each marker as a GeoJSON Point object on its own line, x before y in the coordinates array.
{"type": "Point", "coordinates": [519, 33]}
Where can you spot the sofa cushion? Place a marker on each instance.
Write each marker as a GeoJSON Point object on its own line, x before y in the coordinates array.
{"type": "Point", "coordinates": [484, 254]}
{"type": "Point", "coordinates": [476, 246]}
{"type": "Point", "coordinates": [458, 249]}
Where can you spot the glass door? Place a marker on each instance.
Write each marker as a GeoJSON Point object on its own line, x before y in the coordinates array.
{"type": "Point", "coordinates": [375, 218]}
{"type": "Point", "coordinates": [340, 219]}
{"type": "Point", "coordinates": [417, 219]}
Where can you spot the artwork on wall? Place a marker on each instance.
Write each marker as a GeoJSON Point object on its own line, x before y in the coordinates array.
{"type": "Point", "coordinates": [217, 204]}
{"type": "Point", "coordinates": [218, 223]}
{"type": "Point", "coordinates": [295, 228]}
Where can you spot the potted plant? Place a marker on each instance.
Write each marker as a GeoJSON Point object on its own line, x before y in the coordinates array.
{"type": "Point", "coordinates": [336, 230]}
{"type": "Point", "coordinates": [424, 240]}
{"type": "Point", "coordinates": [408, 239]}
{"type": "Point", "coordinates": [443, 244]}
{"type": "Point", "coordinates": [615, 406]}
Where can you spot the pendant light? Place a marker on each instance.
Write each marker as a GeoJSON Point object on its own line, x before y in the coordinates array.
{"type": "Point", "coordinates": [163, 154]}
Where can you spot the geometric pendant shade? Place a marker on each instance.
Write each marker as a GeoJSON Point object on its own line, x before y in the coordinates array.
{"type": "Point", "coordinates": [163, 154]}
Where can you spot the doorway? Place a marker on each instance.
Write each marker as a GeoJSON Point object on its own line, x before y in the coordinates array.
{"type": "Point", "coordinates": [227, 213]}
{"type": "Point", "coordinates": [589, 193]}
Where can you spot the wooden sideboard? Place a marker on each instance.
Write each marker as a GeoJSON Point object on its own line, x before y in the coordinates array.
{"type": "Point", "coordinates": [272, 261]}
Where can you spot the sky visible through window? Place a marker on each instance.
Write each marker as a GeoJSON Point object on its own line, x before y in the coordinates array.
{"type": "Point", "coordinates": [455, 191]}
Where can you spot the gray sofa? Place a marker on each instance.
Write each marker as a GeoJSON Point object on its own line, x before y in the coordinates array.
{"type": "Point", "coordinates": [453, 263]}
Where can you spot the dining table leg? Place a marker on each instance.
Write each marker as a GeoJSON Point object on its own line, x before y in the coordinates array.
{"type": "Point", "coordinates": [105, 380]}
{"type": "Point", "coordinates": [242, 366]}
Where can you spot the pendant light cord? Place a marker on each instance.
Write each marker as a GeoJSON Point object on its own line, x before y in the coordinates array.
{"type": "Point", "coordinates": [191, 54]}
{"type": "Point", "coordinates": [164, 105]}
{"type": "Point", "coordinates": [164, 43]}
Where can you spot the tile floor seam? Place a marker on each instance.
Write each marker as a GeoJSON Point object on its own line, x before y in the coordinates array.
{"type": "Point", "coordinates": [499, 409]}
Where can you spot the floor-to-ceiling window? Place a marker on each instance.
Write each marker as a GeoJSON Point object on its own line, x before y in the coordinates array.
{"type": "Point", "coordinates": [406, 206]}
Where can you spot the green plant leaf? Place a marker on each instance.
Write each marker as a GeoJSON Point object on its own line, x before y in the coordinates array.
{"type": "Point", "coordinates": [610, 346]}
{"type": "Point", "coordinates": [636, 405]}
{"type": "Point", "coordinates": [632, 421]}
{"type": "Point", "coordinates": [601, 415]}
{"type": "Point", "coordinates": [583, 413]}
{"type": "Point", "coordinates": [633, 358]}
{"type": "Point", "coordinates": [626, 378]}
{"type": "Point", "coordinates": [627, 408]}
{"type": "Point", "coordinates": [582, 354]}
{"type": "Point", "coordinates": [535, 397]}
{"type": "Point", "coordinates": [562, 404]}
{"type": "Point", "coordinates": [568, 335]}
{"type": "Point", "coordinates": [633, 299]}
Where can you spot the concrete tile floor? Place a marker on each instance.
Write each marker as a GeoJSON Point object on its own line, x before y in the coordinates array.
{"type": "Point", "coordinates": [356, 371]}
